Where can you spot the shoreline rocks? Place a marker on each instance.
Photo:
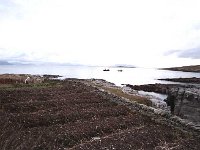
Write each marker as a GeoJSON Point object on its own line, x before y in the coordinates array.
{"type": "Point", "coordinates": [159, 88]}
{"type": "Point", "coordinates": [157, 114]}
{"type": "Point", "coordinates": [156, 102]}
{"type": "Point", "coordinates": [47, 76]}
{"type": "Point", "coordinates": [183, 80]}
{"type": "Point", "coordinates": [184, 100]}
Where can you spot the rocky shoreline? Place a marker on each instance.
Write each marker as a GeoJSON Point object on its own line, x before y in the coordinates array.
{"type": "Point", "coordinates": [159, 107]}
{"type": "Point", "coordinates": [193, 80]}
{"type": "Point", "coordinates": [183, 99]}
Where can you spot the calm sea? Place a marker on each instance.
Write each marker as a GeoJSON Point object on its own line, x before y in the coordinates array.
{"type": "Point", "coordinates": [135, 76]}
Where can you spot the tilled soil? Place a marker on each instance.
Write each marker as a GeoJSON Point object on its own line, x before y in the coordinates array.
{"type": "Point", "coordinates": [71, 115]}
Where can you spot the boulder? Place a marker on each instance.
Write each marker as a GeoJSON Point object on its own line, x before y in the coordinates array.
{"type": "Point", "coordinates": [185, 102]}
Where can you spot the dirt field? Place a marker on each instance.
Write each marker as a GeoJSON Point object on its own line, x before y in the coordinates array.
{"type": "Point", "coordinates": [70, 115]}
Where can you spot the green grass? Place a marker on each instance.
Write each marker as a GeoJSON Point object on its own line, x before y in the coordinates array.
{"type": "Point", "coordinates": [120, 93]}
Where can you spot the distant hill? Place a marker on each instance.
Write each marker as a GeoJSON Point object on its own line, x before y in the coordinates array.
{"type": "Point", "coordinates": [37, 63]}
{"type": "Point", "coordinates": [194, 68]}
{"type": "Point", "coordinates": [124, 66]}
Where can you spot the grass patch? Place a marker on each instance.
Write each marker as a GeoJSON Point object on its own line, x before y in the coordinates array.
{"type": "Point", "coordinates": [120, 93]}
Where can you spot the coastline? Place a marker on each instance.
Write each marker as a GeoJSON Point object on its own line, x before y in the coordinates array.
{"type": "Point", "coordinates": [152, 108]}
{"type": "Point", "coordinates": [193, 80]}
{"type": "Point", "coordinates": [194, 68]}
{"type": "Point", "coordinates": [105, 98]}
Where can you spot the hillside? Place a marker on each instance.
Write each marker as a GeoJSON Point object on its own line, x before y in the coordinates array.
{"type": "Point", "coordinates": [194, 68]}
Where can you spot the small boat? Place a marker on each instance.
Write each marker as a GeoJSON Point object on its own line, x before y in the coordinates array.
{"type": "Point", "coordinates": [120, 70]}
{"type": "Point", "coordinates": [106, 70]}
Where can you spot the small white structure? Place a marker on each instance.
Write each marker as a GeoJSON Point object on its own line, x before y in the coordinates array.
{"type": "Point", "coordinates": [27, 79]}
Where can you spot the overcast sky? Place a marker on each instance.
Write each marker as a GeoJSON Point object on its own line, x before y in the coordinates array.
{"type": "Point", "coordinates": [149, 33]}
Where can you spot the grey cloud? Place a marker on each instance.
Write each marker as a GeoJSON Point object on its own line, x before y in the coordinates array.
{"type": "Point", "coordinates": [190, 53]}
{"type": "Point", "coordinates": [171, 52]}
{"type": "Point", "coordinates": [20, 57]}
{"type": "Point", "coordinates": [9, 54]}
{"type": "Point", "coordinates": [193, 53]}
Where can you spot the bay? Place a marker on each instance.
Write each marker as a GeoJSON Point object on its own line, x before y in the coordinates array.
{"type": "Point", "coordinates": [134, 76]}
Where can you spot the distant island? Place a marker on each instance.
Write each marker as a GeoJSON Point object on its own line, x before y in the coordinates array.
{"type": "Point", "coordinates": [124, 66]}
{"type": "Point", "coordinates": [193, 68]}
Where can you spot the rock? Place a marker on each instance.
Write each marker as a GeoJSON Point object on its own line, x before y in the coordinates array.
{"type": "Point", "coordinates": [158, 103]}
{"type": "Point", "coordinates": [128, 90]}
{"type": "Point", "coordinates": [185, 102]}
{"type": "Point", "coordinates": [158, 88]}
{"type": "Point", "coordinates": [96, 138]}
{"type": "Point", "coordinates": [47, 76]}
{"type": "Point", "coordinates": [183, 80]}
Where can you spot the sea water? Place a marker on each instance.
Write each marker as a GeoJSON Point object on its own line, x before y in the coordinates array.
{"type": "Point", "coordinates": [134, 76]}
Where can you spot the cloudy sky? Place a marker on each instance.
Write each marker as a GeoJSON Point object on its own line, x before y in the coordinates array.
{"type": "Point", "coordinates": [149, 33]}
